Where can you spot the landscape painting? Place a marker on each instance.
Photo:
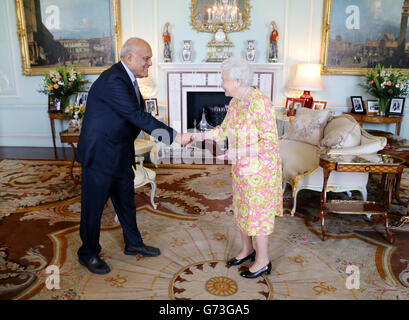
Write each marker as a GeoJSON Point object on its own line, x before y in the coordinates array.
{"type": "Point", "coordinates": [359, 34]}
{"type": "Point", "coordinates": [81, 33]}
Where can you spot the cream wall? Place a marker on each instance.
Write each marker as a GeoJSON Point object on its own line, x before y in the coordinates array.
{"type": "Point", "coordinates": [23, 111]}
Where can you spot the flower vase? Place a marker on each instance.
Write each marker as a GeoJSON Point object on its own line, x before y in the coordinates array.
{"type": "Point", "coordinates": [383, 102]}
{"type": "Point", "coordinates": [65, 100]}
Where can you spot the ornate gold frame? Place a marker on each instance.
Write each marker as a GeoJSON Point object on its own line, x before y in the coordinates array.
{"type": "Point", "coordinates": [28, 70]}
{"type": "Point", "coordinates": [325, 46]}
{"type": "Point", "coordinates": [194, 14]}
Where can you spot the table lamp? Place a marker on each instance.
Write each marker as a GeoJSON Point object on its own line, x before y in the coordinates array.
{"type": "Point", "coordinates": [307, 78]}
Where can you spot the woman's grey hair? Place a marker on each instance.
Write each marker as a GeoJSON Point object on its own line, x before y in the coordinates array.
{"type": "Point", "coordinates": [238, 69]}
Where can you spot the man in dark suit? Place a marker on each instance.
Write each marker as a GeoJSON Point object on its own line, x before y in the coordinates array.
{"type": "Point", "coordinates": [113, 118]}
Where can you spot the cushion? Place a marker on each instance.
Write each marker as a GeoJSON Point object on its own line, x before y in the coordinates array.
{"type": "Point", "coordinates": [308, 126]}
{"type": "Point", "coordinates": [297, 158]}
{"type": "Point", "coordinates": [341, 132]}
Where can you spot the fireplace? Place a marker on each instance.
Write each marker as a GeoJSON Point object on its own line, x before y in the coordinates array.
{"type": "Point", "coordinates": [192, 86]}
{"type": "Point", "coordinates": [212, 103]}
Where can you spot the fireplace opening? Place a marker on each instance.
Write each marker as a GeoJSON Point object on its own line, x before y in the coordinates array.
{"type": "Point", "coordinates": [213, 104]}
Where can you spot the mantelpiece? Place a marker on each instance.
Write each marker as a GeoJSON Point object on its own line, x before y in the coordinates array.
{"type": "Point", "coordinates": [182, 78]}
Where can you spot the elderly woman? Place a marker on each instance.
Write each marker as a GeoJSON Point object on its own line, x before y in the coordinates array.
{"type": "Point", "coordinates": [250, 127]}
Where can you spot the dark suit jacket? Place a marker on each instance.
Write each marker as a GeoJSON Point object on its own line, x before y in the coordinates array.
{"type": "Point", "coordinates": [113, 119]}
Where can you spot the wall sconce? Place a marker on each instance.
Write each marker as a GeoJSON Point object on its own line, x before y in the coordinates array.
{"type": "Point", "coordinates": [307, 78]}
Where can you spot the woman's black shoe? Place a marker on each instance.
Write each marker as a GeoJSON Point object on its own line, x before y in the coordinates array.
{"type": "Point", "coordinates": [236, 262]}
{"type": "Point", "coordinates": [251, 275]}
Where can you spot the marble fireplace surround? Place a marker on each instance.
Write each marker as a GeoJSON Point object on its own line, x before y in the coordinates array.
{"type": "Point", "coordinates": [182, 78]}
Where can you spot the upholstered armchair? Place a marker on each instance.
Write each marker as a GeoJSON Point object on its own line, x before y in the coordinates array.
{"type": "Point", "coordinates": [315, 132]}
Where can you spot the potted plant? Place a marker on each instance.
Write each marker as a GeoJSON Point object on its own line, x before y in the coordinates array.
{"type": "Point", "coordinates": [386, 84]}
{"type": "Point", "coordinates": [61, 82]}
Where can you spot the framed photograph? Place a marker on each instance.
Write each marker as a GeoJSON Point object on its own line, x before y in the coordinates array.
{"type": "Point", "coordinates": [151, 106]}
{"type": "Point", "coordinates": [359, 34]}
{"type": "Point", "coordinates": [395, 107]}
{"type": "Point", "coordinates": [82, 98]}
{"type": "Point", "coordinates": [292, 105]}
{"type": "Point", "coordinates": [319, 105]}
{"type": "Point", "coordinates": [54, 105]}
{"type": "Point", "coordinates": [372, 107]}
{"type": "Point", "coordinates": [83, 33]}
{"type": "Point", "coordinates": [357, 105]}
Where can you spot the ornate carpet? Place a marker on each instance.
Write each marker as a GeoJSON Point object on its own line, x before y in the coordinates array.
{"type": "Point", "coordinates": [193, 227]}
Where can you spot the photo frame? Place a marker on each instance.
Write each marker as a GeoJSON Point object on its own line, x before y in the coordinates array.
{"type": "Point", "coordinates": [292, 105]}
{"type": "Point", "coordinates": [151, 106]}
{"type": "Point", "coordinates": [349, 26]}
{"type": "Point", "coordinates": [372, 107]}
{"type": "Point", "coordinates": [81, 98]}
{"type": "Point", "coordinates": [68, 32]}
{"type": "Point", "coordinates": [358, 105]}
{"type": "Point", "coordinates": [54, 105]}
{"type": "Point", "coordinates": [319, 105]}
{"type": "Point", "coordinates": [395, 107]}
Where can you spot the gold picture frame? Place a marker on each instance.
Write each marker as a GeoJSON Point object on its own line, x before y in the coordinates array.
{"type": "Point", "coordinates": [372, 107]}
{"type": "Point", "coordinates": [197, 9]}
{"type": "Point", "coordinates": [89, 55]}
{"type": "Point", "coordinates": [360, 39]}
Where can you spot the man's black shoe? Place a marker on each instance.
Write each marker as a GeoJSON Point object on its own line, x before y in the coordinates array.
{"type": "Point", "coordinates": [145, 251]}
{"type": "Point", "coordinates": [96, 265]}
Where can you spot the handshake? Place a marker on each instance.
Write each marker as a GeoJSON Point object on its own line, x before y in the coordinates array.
{"type": "Point", "coordinates": [186, 139]}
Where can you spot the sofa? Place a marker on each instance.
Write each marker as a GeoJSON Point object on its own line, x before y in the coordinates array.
{"type": "Point", "coordinates": [315, 132]}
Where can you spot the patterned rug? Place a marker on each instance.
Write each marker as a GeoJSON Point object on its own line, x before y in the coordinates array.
{"type": "Point", "coordinates": [193, 227]}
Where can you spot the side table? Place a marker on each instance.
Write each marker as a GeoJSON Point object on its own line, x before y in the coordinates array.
{"type": "Point", "coordinates": [53, 116]}
{"type": "Point", "coordinates": [361, 118]}
{"type": "Point", "coordinates": [71, 138]}
{"type": "Point", "coordinates": [141, 146]}
{"type": "Point", "coordinates": [387, 165]}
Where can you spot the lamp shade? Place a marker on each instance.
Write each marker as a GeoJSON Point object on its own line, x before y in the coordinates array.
{"type": "Point", "coordinates": [307, 77]}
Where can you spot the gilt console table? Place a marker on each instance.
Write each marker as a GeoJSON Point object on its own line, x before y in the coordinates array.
{"type": "Point", "coordinates": [389, 166]}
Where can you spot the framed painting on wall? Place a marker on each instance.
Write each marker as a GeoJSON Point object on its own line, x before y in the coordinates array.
{"type": "Point", "coordinates": [83, 33]}
{"type": "Point", "coordinates": [359, 34]}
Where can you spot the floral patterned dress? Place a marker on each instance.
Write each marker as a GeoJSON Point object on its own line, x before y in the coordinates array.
{"type": "Point", "coordinates": [257, 192]}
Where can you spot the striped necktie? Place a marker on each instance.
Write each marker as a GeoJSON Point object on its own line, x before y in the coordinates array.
{"type": "Point", "coordinates": [138, 93]}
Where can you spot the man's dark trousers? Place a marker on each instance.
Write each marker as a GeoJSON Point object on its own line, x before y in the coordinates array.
{"type": "Point", "coordinates": [97, 187]}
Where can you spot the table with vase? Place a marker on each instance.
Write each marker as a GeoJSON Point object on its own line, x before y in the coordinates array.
{"type": "Point", "coordinates": [361, 118]}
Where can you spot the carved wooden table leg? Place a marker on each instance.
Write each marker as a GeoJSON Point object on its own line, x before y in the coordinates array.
{"type": "Point", "coordinates": [397, 187]}
{"type": "Point", "coordinates": [390, 181]}
{"type": "Point", "coordinates": [322, 212]}
{"type": "Point", "coordinates": [76, 181]}
{"type": "Point", "coordinates": [53, 135]}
